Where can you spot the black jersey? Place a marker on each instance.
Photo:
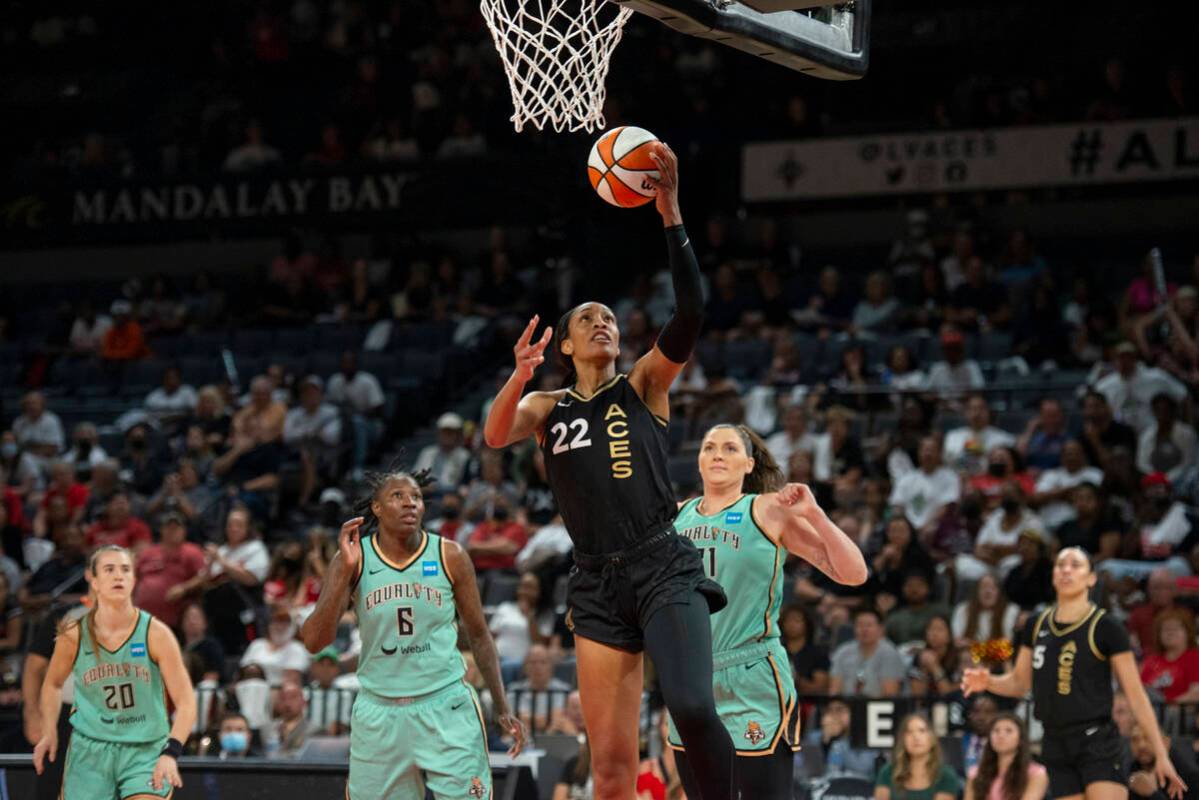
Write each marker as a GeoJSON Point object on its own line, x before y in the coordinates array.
{"type": "Point", "coordinates": [606, 460]}
{"type": "Point", "coordinates": [1071, 676]}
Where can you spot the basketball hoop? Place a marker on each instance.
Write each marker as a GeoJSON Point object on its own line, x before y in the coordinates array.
{"type": "Point", "coordinates": [556, 55]}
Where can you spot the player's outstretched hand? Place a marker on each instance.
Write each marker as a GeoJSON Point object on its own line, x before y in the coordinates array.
{"type": "Point", "coordinates": [667, 182]}
{"type": "Point", "coordinates": [1168, 778]}
{"type": "Point", "coordinates": [166, 771]}
{"type": "Point", "coordinates": [47, 746]}
{"type": "Point", "coordinates": [349, 545]}
{"type": "Point", "coordinates": [512, 725]}
{"type": "Point", "coordinates": [530, 354]}
{"type": "Point", "coordinates": [974, 680]}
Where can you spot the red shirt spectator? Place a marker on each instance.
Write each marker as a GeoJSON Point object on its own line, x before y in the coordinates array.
{"type": "Point", "coordinates": [496, 542]}
{"type": "Point", "coordinates": [124, 341]}
{"type": "Point", "coordinates": [63, 483]}
{"type": "Point", "coordinates": [118, 527]}
{"type": "Point", "coordinates": [16, 511]}
{"type": "Point", "coordinates": [1174, 669]}
{"type": "Point", "coordinates": [163, 568]}
{"type": "Point", "coordinates": [1162, 590]}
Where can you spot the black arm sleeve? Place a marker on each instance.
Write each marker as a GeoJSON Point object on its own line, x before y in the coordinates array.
{"type": "Point", "coordinates": [681, 331]}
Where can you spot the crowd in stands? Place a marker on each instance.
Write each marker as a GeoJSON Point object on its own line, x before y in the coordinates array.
{"type": "Point", "coordinates": [328, 84]}
{"type": "Point", "coordinates": [962, 412]}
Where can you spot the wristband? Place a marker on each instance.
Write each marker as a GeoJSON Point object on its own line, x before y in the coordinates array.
{"type": "Point", "coordinates": [173, 748]}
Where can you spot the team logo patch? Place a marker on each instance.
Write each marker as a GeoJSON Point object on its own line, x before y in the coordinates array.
{"type": "Point", "coordinates": [476, 788]}
{"type": "Point", "coordinates": [570, 620]}
{"type": "Point", "coordinates": [733, 518]}
{"type": "Point", "coordinates": [138, 649]}
{"type": "Point", "coordinates": [754, 733]}
{"type": "Point", "coordinates": [428, 568]}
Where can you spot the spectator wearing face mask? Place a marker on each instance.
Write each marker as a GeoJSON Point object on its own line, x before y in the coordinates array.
{"type": "Point", "coordinates": [85, 451]}
{"type": "Point", "coordinates": [279, 654]}
{"type": "Point", "coordinates": [235, 738]}
{"type": "Point", "coordinates": [995, 548]}
{"type": "Point", "coordinates": [497, 539]}
{"type": "Point", "coordinates": [1004, 465]}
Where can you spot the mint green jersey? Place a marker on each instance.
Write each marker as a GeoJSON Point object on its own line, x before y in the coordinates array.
{"type": "Point", "coordinates": [119, 696]}
{"type": "Point", "coordinates": [746, 563]}
{"type": "Point", "coordinates": [406, 621]}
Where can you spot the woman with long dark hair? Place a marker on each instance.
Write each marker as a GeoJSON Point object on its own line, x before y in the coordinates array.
{"type": "Point", "coordinates": [745, 524]}
{"type": "Point", "coordinates": [636, 583]}
{"type": "Point", "coordinates": [416, 722]}
{"type": "Point", "coordinates": [1006, 770]}
{"type": "Point", "coordinates": [1068, 656]}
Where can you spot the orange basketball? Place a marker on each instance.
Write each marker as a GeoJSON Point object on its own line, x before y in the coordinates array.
{"type": "Point", "coordinates": [619, 166]}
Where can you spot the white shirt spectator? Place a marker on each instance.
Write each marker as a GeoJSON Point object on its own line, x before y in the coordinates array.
{"type": "Point", "coordinates": [1061, 512]}
{"type": "Point", "coordinates": [1130, 398]}
{"type": "Point", "coordinates": [178, 403]}
{"type": "Point", "coordinates": [1172, 456]}
{"type": "Point", "coordinates": [542, 703]}
{"type": "Point", "coordinates": [362, 394]}
{"type": "Point", "coordinates": [922, 496]}
{"type": "Point", "coordinates": [955, 378]}
{"type": "Point", "coordinates": [510, 628]}
{"type": "Point", "coordinates": [993, 532]}
{"type": "Point", "coordinates": [250, 156]}
{"type": "Point", "coordinates": [986, 622]}
{"type": "Point", "coordinates": [46, 429]}
{"type": "Point", "coordinates": [822, 456]}
{"type": "Point", "coordinates": [87, 337]}
{"type": "Point", "coordinates": [548, 542]}
{"type": "Point", "coordinates": [966, 448]}
{"type": "Point", "coordinates": [782, 446]}
{"type": "Point", "coordinates": [1160, 541]}
{"type": "Point", "coordinates": [323, 425]}
{"type": "Point", "coordinates": [95, 456]}
{"type": "Point", "coordinates": [332, 704]}
{"type": "Point", "coordinates": [448, 468]}
{"type": "Point", "coordinates": [251, 555]}
{"type": "Point", "coordinates": [274, 662]}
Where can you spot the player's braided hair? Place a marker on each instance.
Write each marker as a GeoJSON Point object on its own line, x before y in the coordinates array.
{"type": "Point", "coordinates": [561, 334]}
{"type": "Point", "coordinates": [766, 476]}
{"type": "Point", "coordinates": [377, 480]}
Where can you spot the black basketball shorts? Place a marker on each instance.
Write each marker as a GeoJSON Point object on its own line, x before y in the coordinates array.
{"type": "Point", "coordinates": [1082, 756]}
{"type": "Point", "coordinates": [611, 597]}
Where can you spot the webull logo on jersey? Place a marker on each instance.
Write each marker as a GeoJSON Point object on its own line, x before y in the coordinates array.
{"type": "Point", "coordinates": [428, 568]}
{"type": "Point", "coordinates": [116, 670]}
{"type": "Point", "coordinates": [138, 649]}
{"type": "Point", "coordinates": [411, 590]}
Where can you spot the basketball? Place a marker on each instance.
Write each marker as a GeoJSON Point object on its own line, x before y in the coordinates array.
{"type": "Point", "coordinates": [620, 164]}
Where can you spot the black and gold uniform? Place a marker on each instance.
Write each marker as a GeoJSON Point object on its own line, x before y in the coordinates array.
{"type": "Point", "coordinates": [606, 461]}
{"type": "Point", "coordinates": [1072, 697]}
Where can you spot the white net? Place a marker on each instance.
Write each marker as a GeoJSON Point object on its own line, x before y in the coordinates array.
{"type": "Point", "coordinates": [556, 55]}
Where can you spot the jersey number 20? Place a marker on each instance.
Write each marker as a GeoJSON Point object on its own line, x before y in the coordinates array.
{"type": "Point", "coordinates": [119, 696]}
{"type": "Point", "coordinates": [579, 426]}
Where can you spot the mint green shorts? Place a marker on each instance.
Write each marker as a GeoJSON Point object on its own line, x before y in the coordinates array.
{"type": "Point", "coordinates": [398, 747]}
{"type": "Point", "coordinates": [97, 770]}
{"type": "Point", "coordinates": [755, 698]}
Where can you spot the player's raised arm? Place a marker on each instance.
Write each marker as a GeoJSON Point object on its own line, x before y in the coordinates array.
{"type": "Point", "coordinates": [320, 628]}
{"type": "Point", "coordinates": [657, 369]}
{"type": "Point", "coordinates": [513, 418]}
{"type": "Point", "coordinates": [792, 517]}
{"type": "Point", "coordinates": [470, 611]}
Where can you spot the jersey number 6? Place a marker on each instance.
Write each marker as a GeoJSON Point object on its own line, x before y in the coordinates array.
{"type": "Point", "coordinates": [404, 620]}
{"type": "Point", "coordinates": [579, 426]}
